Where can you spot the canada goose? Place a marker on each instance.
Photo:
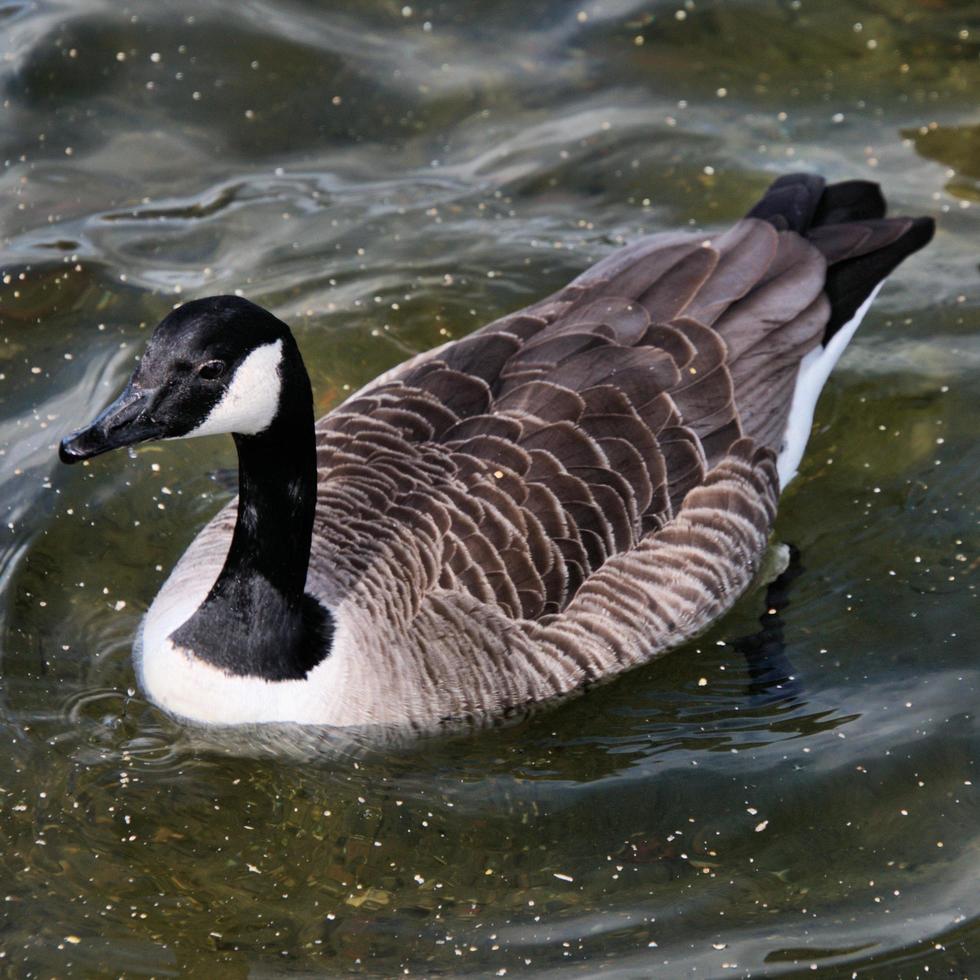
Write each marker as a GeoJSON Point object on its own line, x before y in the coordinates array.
{"type": "Point", "coordinates": [564, 494]}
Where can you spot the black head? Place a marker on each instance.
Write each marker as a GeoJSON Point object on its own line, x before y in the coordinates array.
{"type": "Point", "coordinates": [213, 365]}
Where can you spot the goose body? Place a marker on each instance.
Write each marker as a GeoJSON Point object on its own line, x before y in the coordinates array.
{"type": "Point", "coordinates": [562, 495]}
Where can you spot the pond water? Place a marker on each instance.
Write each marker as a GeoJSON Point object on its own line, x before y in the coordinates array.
{"type": "Point", "coordinates": [384, 176]}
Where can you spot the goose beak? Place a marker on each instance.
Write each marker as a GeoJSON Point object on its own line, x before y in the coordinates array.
{"type": "Point", "coordinates": [125, 422]}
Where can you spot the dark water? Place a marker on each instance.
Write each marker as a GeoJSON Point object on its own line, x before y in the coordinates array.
{"type": "Point", "coordinates": [384, 177]}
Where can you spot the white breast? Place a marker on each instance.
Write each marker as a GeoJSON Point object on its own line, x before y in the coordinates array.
{"type": "Point", "coordinates": [195, 690]}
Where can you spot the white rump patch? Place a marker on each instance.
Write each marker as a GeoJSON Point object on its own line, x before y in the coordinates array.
{"type": "Point", "coordinates": [251, 400]}
{"type": "Point", "coordinates": [814, 370]}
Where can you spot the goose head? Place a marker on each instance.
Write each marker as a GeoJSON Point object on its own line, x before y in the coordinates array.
{"type": "Point", "coordinates": [213, 365]}
{"type": "Point", "coordinates": [225, 365]}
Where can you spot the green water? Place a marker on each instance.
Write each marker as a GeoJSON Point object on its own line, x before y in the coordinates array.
{"type": "Point", "coordinates": [384, 177]}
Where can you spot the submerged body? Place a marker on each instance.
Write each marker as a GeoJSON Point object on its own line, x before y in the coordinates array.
{"type": "Point", "coordinates": [562, 495]}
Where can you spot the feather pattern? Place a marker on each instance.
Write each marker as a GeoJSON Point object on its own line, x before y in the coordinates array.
{"type": "Point", "coordinates": [574, 488]}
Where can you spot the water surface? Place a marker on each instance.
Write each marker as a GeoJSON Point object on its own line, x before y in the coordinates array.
{"type": "Point", "coordinates": [384, 177]}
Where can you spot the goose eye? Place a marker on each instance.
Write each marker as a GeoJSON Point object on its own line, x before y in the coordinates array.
{"type": "Point", "coordinates": [211, 370]}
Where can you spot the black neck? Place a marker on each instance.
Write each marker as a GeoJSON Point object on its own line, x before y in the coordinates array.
{"type": "Point", "coordinates": [257, 620]}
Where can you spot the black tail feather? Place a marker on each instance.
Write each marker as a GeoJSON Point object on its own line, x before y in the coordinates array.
{"type": "Point", "coordinates": [790, 202]}
{"type": "Point", "coordinates": [850, 200]}
{"type": "Point", "coordinates": [846, 221]}
{"type": "Point", "coordinates": [850, 283]}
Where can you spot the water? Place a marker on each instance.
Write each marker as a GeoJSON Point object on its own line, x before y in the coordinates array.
{"type": "Point", "coordinates": [385, 177]}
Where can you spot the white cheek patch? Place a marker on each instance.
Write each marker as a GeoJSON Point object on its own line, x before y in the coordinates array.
{"type": "Point", "coordinates": [251, 400]}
